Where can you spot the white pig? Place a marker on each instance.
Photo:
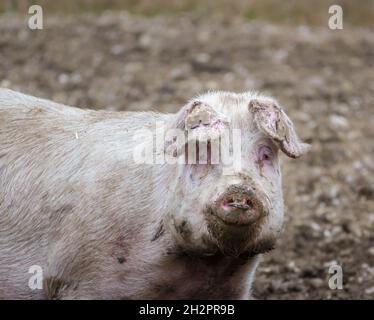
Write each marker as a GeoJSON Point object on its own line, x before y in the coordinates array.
{"type": "Point", "coordinates": [101, 225]}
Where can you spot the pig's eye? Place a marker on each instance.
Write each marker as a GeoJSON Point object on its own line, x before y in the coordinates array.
{"type": "Point", "coordinates": [265, 155]}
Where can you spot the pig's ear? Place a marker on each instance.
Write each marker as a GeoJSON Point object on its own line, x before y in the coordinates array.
{"type": "Point", "coordinates": [199, 122]}
{"type": "Point", "coordinates": [274, 122]}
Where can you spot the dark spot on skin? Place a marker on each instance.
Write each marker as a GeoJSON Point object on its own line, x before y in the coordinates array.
{"type": "Point", "coordinates": [160, 231]}
{"type": "Point", "coordinates": [119, 250]}
{"type": "Point", "coordinates": [184, 229]}
{"type": "Point", "coordinates": [121, 260]}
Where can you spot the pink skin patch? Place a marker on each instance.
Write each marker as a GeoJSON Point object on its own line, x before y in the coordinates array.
{"type": "Point", "coordinates": [265, 158]}
{"type": "Point", "coordinates": [265, 155]}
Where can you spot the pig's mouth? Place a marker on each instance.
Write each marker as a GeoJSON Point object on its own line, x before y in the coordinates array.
{"type": "Point", "coordinates": [237, 219]}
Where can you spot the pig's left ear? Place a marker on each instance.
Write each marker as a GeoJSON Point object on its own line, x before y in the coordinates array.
{"type": "Point", "coordinates": [274, 122]}
{"type": "Point", "coordinates": [201, 121]}
{"type": "Point", "coordinates": [198, 121]}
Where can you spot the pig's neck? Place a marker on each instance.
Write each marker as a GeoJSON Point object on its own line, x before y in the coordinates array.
{"type": "Point", "coordinates": [174, 274]}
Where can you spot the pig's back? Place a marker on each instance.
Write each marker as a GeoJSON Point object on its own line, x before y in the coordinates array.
{"type": "Point", "coordinates": [55, 161]}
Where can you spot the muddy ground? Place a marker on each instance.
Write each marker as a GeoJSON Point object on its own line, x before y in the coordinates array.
{"type": "Point", "coordinates": [323, 78]}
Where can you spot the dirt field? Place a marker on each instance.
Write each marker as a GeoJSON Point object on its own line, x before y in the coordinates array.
{"type": "Point", "coordinates": [323, 78]}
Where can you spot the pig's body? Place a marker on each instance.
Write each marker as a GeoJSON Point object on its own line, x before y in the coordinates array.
{"type": "Point", "coordinates": [74, 202]}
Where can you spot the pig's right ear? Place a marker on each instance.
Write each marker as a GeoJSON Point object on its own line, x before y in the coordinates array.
{"type": "Point", "coordinates": [274, 122]}
{"type": "Point", "coordinates": [197, 121]}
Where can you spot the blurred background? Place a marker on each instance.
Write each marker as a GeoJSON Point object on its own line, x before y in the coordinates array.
{"type": "Point", "coordinates": [143, 55]}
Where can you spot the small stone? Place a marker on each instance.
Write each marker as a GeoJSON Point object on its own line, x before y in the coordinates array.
{"type": "Point", "coordinates": [117, 49]}
{"type": "Point", "coordinates": [338, 122]}
{"type": "Point", "coordinates": [203, 58]}
{"type": "Point", "coordinates": [63, 78]}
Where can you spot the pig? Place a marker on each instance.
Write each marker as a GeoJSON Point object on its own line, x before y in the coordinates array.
{"type": "Point", "coordinates": [77, 205]}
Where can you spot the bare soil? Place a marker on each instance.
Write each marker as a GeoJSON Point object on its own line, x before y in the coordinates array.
{"type": "Point", "coordinates": [323, 78]}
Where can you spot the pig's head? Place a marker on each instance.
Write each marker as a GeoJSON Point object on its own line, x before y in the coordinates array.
{"type": "Point", "coordinates": [235, 207]}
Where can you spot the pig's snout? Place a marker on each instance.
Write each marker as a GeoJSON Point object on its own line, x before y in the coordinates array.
{"type": "Point", "coordinates": [238, 205]}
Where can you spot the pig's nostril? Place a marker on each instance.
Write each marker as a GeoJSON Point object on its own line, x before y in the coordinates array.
{"type": "Point", "coordinates": [249, 203]}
